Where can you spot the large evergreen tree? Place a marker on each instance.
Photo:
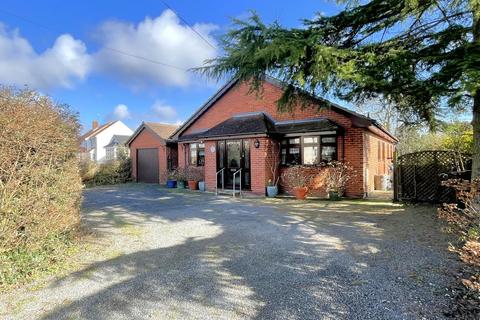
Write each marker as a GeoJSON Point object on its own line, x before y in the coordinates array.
{"type": "Point", "coordinates": [420, 55]}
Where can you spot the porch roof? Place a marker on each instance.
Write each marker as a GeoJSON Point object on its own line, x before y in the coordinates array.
{"type": "Point", "coordinates": [261, 123]}
{"type": "Point", "coordinates": [305, 126]}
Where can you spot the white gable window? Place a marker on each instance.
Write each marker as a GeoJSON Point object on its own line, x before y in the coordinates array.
{"type": "Point", "coordinates": [111, 153]}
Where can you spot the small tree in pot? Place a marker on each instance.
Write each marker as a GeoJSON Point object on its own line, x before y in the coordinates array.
{"type": "Point", "coordinates": [272, 186]}
{"type": "Point", "coordinates": [297, 179]}
{"type": "Point", "coordinates": [337, 176]}
{"type": "Point", "coordinates": [181, 178]}
{"type": "Point", "coordinates": [194, 175]}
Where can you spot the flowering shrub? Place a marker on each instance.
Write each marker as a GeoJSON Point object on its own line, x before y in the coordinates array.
{"type": "Point", "coordinates": [337, 175]}
{"type": "Point", "coordinates": [464, 220]}
{"type": "Point", "coordinates": [194, 173]}
{"type": "Point", "coordinates": [296, 177]}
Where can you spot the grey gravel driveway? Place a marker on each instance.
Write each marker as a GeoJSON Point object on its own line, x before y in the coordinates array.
{"type": "Point", "coordinates": [163, 254]}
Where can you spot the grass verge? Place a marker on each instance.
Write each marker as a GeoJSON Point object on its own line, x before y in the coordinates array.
{"type": "Point", "coordinates": [23, 265]}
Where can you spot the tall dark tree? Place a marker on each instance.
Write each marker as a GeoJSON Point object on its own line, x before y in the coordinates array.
{"type": "Point", "coordinates": [423, 55]}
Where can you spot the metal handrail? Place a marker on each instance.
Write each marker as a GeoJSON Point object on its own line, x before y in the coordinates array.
{"type": "Point", "coordinates": [223, 181]}
{"type": "Point", "coordinates": [234, 174]}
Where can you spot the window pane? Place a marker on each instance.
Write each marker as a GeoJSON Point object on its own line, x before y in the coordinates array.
{"type": "Point", "coordinates": [329, 140]}
{"type": "Point", "coordinates": [220, 154]}
{"type": "Point", "coordinates": [294, 141]}
{"type": "Point", "coordinates": [293, 156]}
{"type": "Point", "coordinates": [329, 153]}
{"type": "Point", "coordinates": [310, 140]}
{"type": "Point", "coordinates": [201, 157]}
{"type": "Point", "coordinates": [193, 146]}
{"type": "Point", "coordinates": [246, 154]}
{"type": "Point", "coordinates": [284, 142]}
{"type": "Point", "coordinates": [310, 155]}
{"type": "Point", "coordinates": [193, 157]}
{"type": "Point", "coordinates": [233, 154]}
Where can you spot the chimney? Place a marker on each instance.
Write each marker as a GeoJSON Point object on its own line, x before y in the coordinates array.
{"type": "Point", "coordinates": [94, 124]}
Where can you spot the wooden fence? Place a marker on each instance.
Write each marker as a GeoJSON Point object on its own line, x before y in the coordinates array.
{"type": "Point", "coordinates": [418, 175]}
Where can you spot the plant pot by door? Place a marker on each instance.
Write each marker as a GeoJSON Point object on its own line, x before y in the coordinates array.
{"type": "Point", "coordinates": [334, 195]}
{"type": "Point", "coordinates": [171, 183]}
{"type": "Point", "coordinates": [300, 193]}
{"type": "Point", "coordinates": [192, 185]}
{"type": "Point", "coordinates": [272, 191]}
{"type": "Point", "coordinates": [180, 184]}
{"type": "Point", "coordinates": [201, 185]}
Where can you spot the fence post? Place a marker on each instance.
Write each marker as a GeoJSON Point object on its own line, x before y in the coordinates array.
{"type": "Point", "coordinates": [395, 176]}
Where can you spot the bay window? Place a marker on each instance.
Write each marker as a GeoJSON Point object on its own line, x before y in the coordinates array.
{"type": "Point", "coordinates": [308, 150]}
{"type": "Point", "coordinates": [197, 154]}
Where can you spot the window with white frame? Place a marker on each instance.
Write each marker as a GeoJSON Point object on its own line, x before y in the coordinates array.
{"type": "Point", "coordinates": [110, 153]}
{"type": "Point", "coordinates": [308, 150]}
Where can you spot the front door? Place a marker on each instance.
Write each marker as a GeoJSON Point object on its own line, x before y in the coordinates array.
{"type": "Point", "coordinates": [234, 155]}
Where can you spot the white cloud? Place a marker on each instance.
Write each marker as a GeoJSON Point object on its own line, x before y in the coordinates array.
{"type": "Point", "coordinates": [61, 65]}
{"type": "Point", "coordinates": [164, 112]}
{"type": "Point", "coordinates": [162, 39]}
{"type": "Point", "coordinates": [121, 112]}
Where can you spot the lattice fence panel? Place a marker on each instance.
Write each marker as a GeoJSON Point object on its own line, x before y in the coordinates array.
{"type": "Point", "coordinates": [418, 175]}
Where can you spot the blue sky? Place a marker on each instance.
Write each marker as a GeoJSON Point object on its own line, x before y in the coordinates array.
{"type": "Point", "coordinates": [70, 51]}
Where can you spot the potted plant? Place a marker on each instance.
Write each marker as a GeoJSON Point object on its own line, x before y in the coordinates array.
{"type": "Point", "coordinates": [193, 176]}
{"type": "Point", "coordinates": [297, 179]}
{"type": "Point", "coordinates": [272, 186]}
{"type": "Point", "coordinates": [172, 179]}
{"type": "Point", "coordinates": [337, 175]}
{"type": "Point", "coordinates": [181, 178]}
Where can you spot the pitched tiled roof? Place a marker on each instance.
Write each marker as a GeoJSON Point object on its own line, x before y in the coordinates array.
{"type": "Point", "coordinates": [359, 120]}
{"type": "Point", "coordinates": [161, 130]}
{"type": "Point", "coordinates": [117, 140]}
{"type": "Point", "coordinates": [97, 130]}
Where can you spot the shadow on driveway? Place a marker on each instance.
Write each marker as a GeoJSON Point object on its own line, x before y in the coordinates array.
{"type": "Point", "coordinates": [195, 256]}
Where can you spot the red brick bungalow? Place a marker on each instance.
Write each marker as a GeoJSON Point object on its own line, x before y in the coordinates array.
{"type": "Point", "coordinates": [152, 154]}
{"type": "Point", "coordinates": [235, 129]}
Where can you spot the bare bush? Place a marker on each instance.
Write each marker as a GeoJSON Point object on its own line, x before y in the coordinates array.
{"type": "Point", "coordinates": [464, 220]}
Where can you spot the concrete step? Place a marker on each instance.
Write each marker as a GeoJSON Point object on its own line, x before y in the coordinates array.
{"type": "Point", "coordinates": [228, 192]}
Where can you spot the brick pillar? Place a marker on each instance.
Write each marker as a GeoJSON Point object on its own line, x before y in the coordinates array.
{"type": "Point", "coordinates": [210, 165]}
{"type": "Point", "coordinates": [181, 155]}
{"type": "Point", "coordinates": [260, 165]}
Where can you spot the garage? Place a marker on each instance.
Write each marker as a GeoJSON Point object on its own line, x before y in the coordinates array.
{"type": "Point", "coordinates": [153, 155]}
{"type": "Point", "coordinates": [147, 165]}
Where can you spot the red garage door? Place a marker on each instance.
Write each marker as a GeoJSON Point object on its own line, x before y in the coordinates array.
{"type": "Point", "coordinates": [147, 165]}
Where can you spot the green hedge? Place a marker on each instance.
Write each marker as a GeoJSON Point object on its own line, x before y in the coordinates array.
{"type": "Point", "coordinates": [112, 172]}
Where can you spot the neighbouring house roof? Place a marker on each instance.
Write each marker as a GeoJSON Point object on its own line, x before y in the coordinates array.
{"type": "Point", "coordinates": [117, 140]}
{"type": "Point", "coordinates": [358, 120]}
{"type": "Point", "coordinates": [95, 131]}
{"type": "Point", "coordinates": [261, 123]}
{"type": "Point", "coordinates": [161, 130]}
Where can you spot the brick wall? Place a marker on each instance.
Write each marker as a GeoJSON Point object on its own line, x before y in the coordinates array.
{"type": "Point", "coordinates": [146, 139]}
{"type": "Point", "coordinates": [379, 158]}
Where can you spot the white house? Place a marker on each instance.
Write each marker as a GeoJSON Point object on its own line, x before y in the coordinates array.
{"type": "Point", "coordinates": [95, 143]}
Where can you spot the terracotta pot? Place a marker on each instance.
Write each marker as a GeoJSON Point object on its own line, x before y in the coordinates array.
{"type": "Point", "coordinates": [192, 185]}
{"type": "Point", "coordinates": [300, 193]}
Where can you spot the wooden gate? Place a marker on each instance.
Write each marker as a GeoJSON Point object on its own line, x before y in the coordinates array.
{"type": "Point", "coordinates": [418, 175]}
